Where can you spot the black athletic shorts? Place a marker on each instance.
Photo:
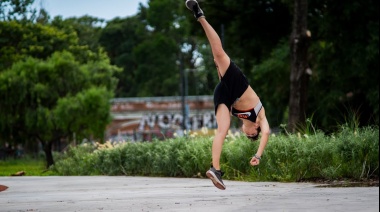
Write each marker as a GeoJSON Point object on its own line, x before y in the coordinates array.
{"type": "Point", "coordinates": [231, 87]}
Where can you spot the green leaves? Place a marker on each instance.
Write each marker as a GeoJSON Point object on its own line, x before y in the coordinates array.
{"type": "Point", "coordinates": [345, 61]}
{"type": "Point", "coordinates": [86, 113]}
{"type": "Point", "coordinates": [53, 83]}
{"type": "Point", "coordinates": [19, 41]}
{"type": "Point", "coordinates": [157, 68]}
{"type": "Point", "coordinates": [55, 98]}
{"type": "Point", "coordinates": [17, 10]}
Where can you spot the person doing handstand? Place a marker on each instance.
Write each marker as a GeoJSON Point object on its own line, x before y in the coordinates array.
{"type": "Point", "coordinates": [232, 96]}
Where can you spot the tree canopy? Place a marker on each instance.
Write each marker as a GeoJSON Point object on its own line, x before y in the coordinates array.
{"type": "Point", "coordinates": [53, 84]}
{"type": "Point", "coordinates": [49, 100]}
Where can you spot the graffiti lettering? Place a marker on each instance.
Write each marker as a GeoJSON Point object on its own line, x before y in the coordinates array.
{"type": "Point", "coordinates": [168, 121]}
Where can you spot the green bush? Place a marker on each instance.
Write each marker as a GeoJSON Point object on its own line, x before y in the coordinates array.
{"type": "Point", "coordinates": [348, 154]}
{"type": "Point", "coordinates": [359, 153]}
{"type": "Point", "coordinates": [77, 160]}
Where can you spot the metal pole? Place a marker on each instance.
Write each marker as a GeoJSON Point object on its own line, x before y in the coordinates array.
{"type": "Point", "coordinates": [183, 95]}
{"type": "Point", "coordinates": [186, 116]}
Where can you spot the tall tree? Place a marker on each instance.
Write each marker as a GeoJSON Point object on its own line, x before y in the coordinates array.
{"type": "Point", "coordinates": [148, 47]}
{"type": "Point", "coordinates": [300, 71]}
{"type": "Point", "coordinates": [46, 101]}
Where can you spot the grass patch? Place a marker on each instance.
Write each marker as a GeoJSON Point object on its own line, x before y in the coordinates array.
{"type": "Point", "coordinates": [31, 167]}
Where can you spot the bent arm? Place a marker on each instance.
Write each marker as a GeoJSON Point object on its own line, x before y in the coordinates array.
{"type": "Point", "coordinates": [265, 133]}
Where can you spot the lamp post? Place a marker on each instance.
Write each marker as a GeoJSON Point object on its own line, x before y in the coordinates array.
{"type": "Point", "coordinates": [184, 94]}
{"type": "Point", "coordinates": [186, 109]}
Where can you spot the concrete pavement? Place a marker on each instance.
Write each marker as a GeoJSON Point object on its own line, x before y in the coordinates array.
{"type": "Point", "coordinates": [142, 194]}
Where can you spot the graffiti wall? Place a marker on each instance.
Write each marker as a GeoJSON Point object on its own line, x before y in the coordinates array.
{"type": "Point", "coordinates": [137, 119]}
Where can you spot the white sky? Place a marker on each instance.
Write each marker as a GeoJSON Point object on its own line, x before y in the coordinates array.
{"type": "Point", "coordinates": [105, 9]}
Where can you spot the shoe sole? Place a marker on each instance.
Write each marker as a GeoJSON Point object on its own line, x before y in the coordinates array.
{"type": "Point", "coordinates": [215, 180]}
{"type": "Point", "coordinates": [190, 7]}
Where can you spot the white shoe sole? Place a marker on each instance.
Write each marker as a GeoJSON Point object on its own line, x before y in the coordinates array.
{"type": "Point", "coordinates": [215, 180]}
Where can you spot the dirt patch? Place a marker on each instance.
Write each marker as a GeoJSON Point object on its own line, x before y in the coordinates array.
{"type": "Point", "coordinates": [3, 188]}
{"type": "Point", "coordinates": [344, 183]}
{"type": "Point", "coordinates": [350, 184]}
{"type": "Point", "coordinates": [20, 173]}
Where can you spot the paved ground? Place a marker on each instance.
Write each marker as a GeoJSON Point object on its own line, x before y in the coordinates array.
{"type": "Point", "coordinates": [102, 193]}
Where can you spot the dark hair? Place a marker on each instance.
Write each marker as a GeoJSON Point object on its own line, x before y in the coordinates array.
{"type": "Point", "coordinates": [254, 138]}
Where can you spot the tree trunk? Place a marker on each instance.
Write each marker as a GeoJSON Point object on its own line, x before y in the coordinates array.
{"type": "Point", "coordinates": [299, 76]}
{"type": "Point", "coordinates": [48, 153]}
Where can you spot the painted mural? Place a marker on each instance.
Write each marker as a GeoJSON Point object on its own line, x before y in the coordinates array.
{"type": "Point", "coordinates": [143, 119]}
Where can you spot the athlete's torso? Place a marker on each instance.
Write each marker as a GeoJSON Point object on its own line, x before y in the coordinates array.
{"type": "Point", "coordinates": [235, 81]}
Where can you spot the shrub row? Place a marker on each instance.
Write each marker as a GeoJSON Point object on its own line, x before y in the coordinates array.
{"type": "Point", "coordinates": [346, 155]}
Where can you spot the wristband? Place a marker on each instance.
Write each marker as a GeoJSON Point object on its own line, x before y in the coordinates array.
{"type": "Point", "coordinates": [257, 157]}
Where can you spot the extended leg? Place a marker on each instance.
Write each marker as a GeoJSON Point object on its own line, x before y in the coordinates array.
{"type": "Point", "coordinates": [220, 57]}
{"type": "Point", "coordinates": [223, 121]}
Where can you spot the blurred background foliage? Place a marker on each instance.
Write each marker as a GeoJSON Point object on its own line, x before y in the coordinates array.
{"type": "Point", "coordinates": [48, 62]}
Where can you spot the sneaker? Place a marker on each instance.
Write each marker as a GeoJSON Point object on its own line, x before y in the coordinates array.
{"type": "Point", "coordinates": [216, 177]}
{"type": "Point", "coordinates": [194, 7]}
